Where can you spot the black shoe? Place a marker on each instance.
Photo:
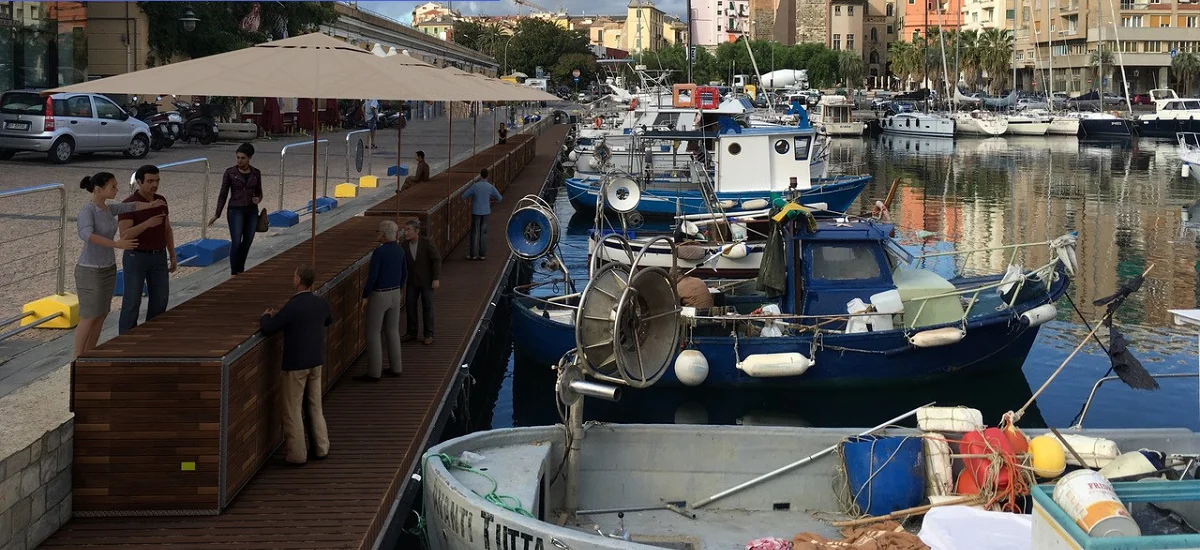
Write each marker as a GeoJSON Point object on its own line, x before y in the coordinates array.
{"type": "Point", "coordinates": [408, 337]}
{"type": "Point", "coordinates": [323, 457]}
{"type": "Point", "coordinates": [391, 374]}
{"type": "Point", "coordinates": [366, 378]}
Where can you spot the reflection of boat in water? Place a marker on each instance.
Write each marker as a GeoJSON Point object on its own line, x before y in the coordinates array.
{"type": "Point", "coordinates": [917, 144]}
{"type": "Point", "coordinates": [1189, 153]}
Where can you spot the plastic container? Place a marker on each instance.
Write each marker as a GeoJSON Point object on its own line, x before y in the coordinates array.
{"type": "Point", "coordinates": [888, 302]}
{"type": "Point", "coordinates": [885, 473]}
{"type": "Point", "coordinates": [1053, 529]}
{"type": "Point", "coordinates": [949, 419]}
{"type": "Point", "coordinates": [1090, 500]}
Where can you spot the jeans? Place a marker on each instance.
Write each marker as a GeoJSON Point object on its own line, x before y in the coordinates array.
{"type": "Point", "coordinates": [478, 236]}
{"type": "Point", "coordinates": [151, 270]}
{"type": "Point", "coordinates": [243, 222]}
{"type": "Point", "coordinates": [425, 294]}
{"type": "Point", "coordinates": [383, 322]}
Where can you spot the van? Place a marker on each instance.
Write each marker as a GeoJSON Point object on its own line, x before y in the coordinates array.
{"type": "Point", "coordinates": [62, 125]}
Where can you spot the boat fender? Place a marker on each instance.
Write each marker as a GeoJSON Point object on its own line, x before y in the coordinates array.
{"type": "Point", "coordinates": [1038, 316]}
{"type": "Point", "coordinates": [1049, 459]}
{"type": "Point", "coordinates": [726, 205]}
{"type": "Point", "coordinates": [755, 204]}
{"type": "Point", "coordinates": [1096, 452]}
{"type": "Point", "coordinates": [949, 419]}
{"type": "Point", "coordinates": [1185, 170]}
{"type": "Point", "coordinates": [690, 229]}
{"type": "Point", "coordinates": [691, 367]}
{"type": "Point", "coordinates": [735, 251]}
{"type": "Point", "coordinates": [1133, 464]}
{"type": "Point", "coordinates": [937, 337]}
{"type": "Point", "coordinates": [939, 475]}
{"type": "Point", "coordinates": [769, 365]}
{"type": "Point", "coordinates": [573, 156]}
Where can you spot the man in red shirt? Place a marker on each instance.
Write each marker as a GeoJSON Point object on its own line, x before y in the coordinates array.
{"type": "Point", "coordinates": [150, 264]}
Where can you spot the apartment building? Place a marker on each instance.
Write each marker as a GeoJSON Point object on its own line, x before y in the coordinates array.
{"type": "Point", "coordinates": [1142, 35]}
{"type": "Point", "coordinates": [978, 15]}
{"type": "Point", "coordinates": [922, 14]}
{"type": "Point", "coordinates": [718, 21]}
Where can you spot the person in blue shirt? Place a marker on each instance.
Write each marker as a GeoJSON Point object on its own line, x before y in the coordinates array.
{"type": "Point", "coordinates": [481, 194]}
{"type": "Point", "coordinates": [384, 294]}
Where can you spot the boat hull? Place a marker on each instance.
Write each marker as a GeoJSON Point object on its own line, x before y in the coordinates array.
{"type": "Point", "coordinates": [1165, 128]}
{"type": "Point", "coordinates": [1064, 127]}
{"type": "Point", "coordinates": [1104, 128]}
{"type": "Point", "coordinates": [839, 194]}
{"type": "Point", "coordinates": [1028, 128]}
{"type": "Point", "coordinates": [840, 129]}
{"type": "Point", "coordinates": [713, 263]}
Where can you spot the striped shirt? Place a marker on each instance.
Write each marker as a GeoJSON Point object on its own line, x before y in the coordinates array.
{"type": "Point", "coordinates": [96, 220]}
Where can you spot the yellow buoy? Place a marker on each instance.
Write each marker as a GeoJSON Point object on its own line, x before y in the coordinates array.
{"type": "Point", "coordinates": [1049, 458]}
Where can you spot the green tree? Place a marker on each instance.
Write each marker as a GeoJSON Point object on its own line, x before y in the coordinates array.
{"type": "Point", "coordinates": [584, 63]}
{"type": "Point", "coordinates": [469, 34]}
{"type": "Point", "coordinates": [536, 42]}
{"type": "Point", "coordinates": [219, 29]}
{"type": "Point", "coordinates": [850, 68]}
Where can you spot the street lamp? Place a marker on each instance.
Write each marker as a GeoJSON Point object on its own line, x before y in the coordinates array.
{"type": "Point", "coordinates": [506, 43]}
{"type": "Point", "coordinates": [189, 19]}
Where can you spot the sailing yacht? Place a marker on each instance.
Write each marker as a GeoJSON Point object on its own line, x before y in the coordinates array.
{"type": "Point", "coordinates": [979, 123]}
{"type": "Point", "coordinates": [1027, 124]}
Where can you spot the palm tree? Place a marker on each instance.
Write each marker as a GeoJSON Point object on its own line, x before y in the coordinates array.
{"type": "Point", "coordinates": [1101, 56]}
{"type": "Point", "coordinates": [969, 58]}
{"type": "Point", "coordinates": [850, 65]}
{"type": "Point", "coordinates": [995, 56]}
{"type": "Point", "coordinates": [1186, 66]}
{"type": "Point", "coordinates": [903, 56]}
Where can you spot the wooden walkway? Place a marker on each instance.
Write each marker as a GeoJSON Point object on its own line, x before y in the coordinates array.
{"type": "Point", "coordinates": [377, 430]}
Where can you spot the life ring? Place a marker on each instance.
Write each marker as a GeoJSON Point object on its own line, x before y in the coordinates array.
{"type": "Point", "coordinates": [597, 123]}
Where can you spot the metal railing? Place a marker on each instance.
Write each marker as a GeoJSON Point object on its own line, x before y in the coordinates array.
{"type": "Point", "coordinates": [1087, 405]}
{"type": "Point", "coordinates": [61, 277]}
{"type": "Point", "coordinates": [366, 148]}
{"type": "Point", "coordinates": [283, 166]}
{"type": "Point", "coordinates": [966, 254]}
{"type": "Point", "coordinates": [204, 190]}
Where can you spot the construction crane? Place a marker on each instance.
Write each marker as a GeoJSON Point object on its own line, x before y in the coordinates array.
{"type": "Point", "coordinates": [537, 7]}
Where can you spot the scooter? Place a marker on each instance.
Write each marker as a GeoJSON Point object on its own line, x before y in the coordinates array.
{"type": "Point", "coordinates": [195, 124]}
{"type": "Point", "coordinates": [148, 112]}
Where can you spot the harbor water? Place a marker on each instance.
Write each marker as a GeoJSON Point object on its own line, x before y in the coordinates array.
{"type": "Point", "coordinates": [1123, 199]}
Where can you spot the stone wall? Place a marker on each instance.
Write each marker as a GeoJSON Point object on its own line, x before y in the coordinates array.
{"type": "Point", "coordinates": [811, 22]}
{"type": "Point", "coordinates": [35, 489]}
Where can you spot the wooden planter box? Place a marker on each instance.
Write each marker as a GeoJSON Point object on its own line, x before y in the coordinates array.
{"type": "Point", "coordinates": [176, 416]}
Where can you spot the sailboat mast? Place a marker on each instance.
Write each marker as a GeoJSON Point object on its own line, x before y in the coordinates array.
{"type": "Point", "coordinates": [688, 52]}
{"type": "Point", "coordinates": [1050, 57]}
{"type": "Point", "coordinates": [925, 56]}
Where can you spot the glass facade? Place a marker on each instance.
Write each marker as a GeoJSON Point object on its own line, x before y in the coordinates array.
{"type": "Point", "coordinates": [42, 44]}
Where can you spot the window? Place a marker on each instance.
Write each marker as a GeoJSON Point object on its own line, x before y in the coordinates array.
{"type": "Point", "coordinates": [874, 58]}
{"type": "Point", "coordinates": [916, 36]}
{"type": "Point", "coordinates": [800, 146]}
{"type": "Point", "coordinates": [837, 41]}
{"type": "Point", "coordinates": [1153, 46]}
{"type": "Point", "coordinates": [850, 42]}
{"type": "Point", "coordinates": [108, 110]}
{"type": "Point", "coordinates": [889, 29]}
{"type": "Point", "coordinates": [891, 9]}
{"type": "Point", "coordinates": [1192, 21]}
{"type": "Point", "coordinates": [837, 10]}
{"type": "Point", "coordinates": [874, 34]}
{"type": "Point", "coordinates": [1132, 21]}
{"type": "Point", "coordinates": [80, 106]}
{"type": "Point", "coordinates": [850, 10]}
{"type": "Point", "coordinates": [844, 262]}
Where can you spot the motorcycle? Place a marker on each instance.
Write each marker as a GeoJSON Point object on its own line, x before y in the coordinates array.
{"type": "Point", "coordinates": [147, 112]}
{"type": "Point", "coordinates": [195, 124]}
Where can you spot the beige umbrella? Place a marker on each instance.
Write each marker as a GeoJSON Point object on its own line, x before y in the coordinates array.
{"type": "Point", "coordinates": [313, 66]}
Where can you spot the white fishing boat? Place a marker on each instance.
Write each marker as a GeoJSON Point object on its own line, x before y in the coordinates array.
{"type": "Point", "coordinates": [919, 124]}
{"type": "Point", "coordinates": [1189, 153]}
{"type": "Point", "coordinates": [979, 123]}
{"type": "Point", "coordinates": [1027, 124]}
{"type": "Point", "coordinates": [834, 116]}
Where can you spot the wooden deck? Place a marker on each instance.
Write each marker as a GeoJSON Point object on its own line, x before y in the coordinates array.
{"type": "Point", "coordinates": [377, 430]}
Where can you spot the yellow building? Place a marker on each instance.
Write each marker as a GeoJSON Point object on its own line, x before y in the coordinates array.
{"type": "Point", "coordinates": [441, 27]}
{"type": "Point", "coordinates": [643, 27]}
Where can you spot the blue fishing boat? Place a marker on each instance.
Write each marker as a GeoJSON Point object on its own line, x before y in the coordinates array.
{"type": "Point", "coordinates": [841, 304]}
{"type": "Point", "coordinates": [720, 170]}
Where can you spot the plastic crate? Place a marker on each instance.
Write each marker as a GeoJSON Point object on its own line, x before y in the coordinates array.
{"type": "Point", "coordinates": [1053, 529]}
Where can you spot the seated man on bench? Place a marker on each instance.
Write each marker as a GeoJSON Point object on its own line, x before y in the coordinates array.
{"type": "Point", "coordinates": [420, 174]}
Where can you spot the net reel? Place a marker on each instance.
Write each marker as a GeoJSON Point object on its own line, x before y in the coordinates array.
{"type": "Point", "coordinates": [533, 229]}
{"type": "Point", "coordinates": [627, 327]}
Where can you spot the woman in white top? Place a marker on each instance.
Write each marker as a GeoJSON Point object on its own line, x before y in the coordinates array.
{"type": "Point", "coordinates": [96, 271]}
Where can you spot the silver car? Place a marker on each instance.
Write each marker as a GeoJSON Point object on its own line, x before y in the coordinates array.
{"type": "Point", "coordinates": [61, 125]}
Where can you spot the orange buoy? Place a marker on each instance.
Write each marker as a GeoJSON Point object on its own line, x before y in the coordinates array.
{"type": "Point", "coordinates": [987, 442]}
{"type": "Point", "coordinates": [1016, 438]}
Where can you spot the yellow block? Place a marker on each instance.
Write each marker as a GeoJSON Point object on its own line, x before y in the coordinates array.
{"type": "Point", "coordinates": [368, 181]}
{"type": "Point", "coordinates": [345, 191]}
{"type": "Point", "coordinates": [65, 304]}
{"type": "Point", "coordinates": [187, 466]}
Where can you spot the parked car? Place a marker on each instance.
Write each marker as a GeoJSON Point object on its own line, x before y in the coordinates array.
{"type": "Point", "coordinates": [61, 125]}
{"type": "Point", "coordinates": [1142, 99]}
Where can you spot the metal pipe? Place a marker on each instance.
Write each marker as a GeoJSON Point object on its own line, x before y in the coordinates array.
{"type": "Point", "coordinates": [800, 462]}
{"type": "Point", "coordinates": [14, 318]}
{"type": "Point", "coordinates": [283, 164]}
{"type": "Point", "coordinates": [203, 192]}
{"type": "Point", "coordinates": [62, 223]}
{"type": "Point", "coordinates": [1095, 387]}
{"type": "Point", "coordinates": [592, 389]}
{"type": "Point", "coordinates": [34, 324]}
{"type": "Point", "coordinates": [575, 436]}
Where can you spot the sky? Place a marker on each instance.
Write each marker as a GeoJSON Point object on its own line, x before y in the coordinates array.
{"type": "Point", "coordinates": [402, 11]}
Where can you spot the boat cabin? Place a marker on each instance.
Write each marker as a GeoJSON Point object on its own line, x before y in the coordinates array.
{"type": "Point", "coordinates": [844, 261]}
{"type": "Point", "coordinates": [745, 159]}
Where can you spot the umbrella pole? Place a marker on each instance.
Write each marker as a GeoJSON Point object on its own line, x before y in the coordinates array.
{"type": "Point", "coordinates": [399, 178]}
{"type": "Point", "coordinates": [312, 209]}
{"type": "Point", "coordinates": [475, 128]}
{"type": "Point", "coordinates": [449, 164]}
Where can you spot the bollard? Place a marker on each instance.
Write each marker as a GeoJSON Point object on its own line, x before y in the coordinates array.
{"type": "Point", "coordinates": [367, 180]}
{"type": "Point", "coordinates": [60, 310]}
{"type": "Point", "coordinates": [288, 218]}
{"type": "Point", "coordinates": [201, 252]}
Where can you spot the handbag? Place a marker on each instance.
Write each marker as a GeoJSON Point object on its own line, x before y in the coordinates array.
{"type": "Point", "coordinates": [263, 223]}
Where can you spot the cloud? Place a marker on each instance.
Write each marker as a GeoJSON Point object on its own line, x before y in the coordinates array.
{"type": "Point", "coordinates": [402, 11]}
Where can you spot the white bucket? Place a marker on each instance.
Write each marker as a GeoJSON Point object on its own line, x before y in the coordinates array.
{"type": "Point", "coordinates": [1088, 498]}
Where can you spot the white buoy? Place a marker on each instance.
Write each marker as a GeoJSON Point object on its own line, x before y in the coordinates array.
{"type": "Point", "coordinates": [1185, 171]}
{"type": "Point", "coordinates": [691, 367]}
{"type": "Point", "coordinates": [937, 337]}
{"type": "Point", "coordinates": [755, 204]}
{"type": "Point", "coordinates": [1038, 316]}
{"type": "Point", "coordinates": [573, 155]}
{"type": "Point", "coordinates": [735, 251]}
{"type": "Point", "coordinates": [765, 365]}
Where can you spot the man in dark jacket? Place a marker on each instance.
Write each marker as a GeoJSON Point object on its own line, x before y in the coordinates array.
{"type": "Point", "coordinates": [420, 174]}
{"type": "Point", "coordinates": [302, 320]}
{"type": "Point", "coordinates": [424, 269]}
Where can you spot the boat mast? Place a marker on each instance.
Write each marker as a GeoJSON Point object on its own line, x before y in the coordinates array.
{"type": "Point", "coordinates": [688, 52]}
{"type": "Point", "coordinates": [925, 56]}
{"type": "Point", "coordinates": [1120, 61]}
{"type": "Point", "coordinates": [1050, 57]}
